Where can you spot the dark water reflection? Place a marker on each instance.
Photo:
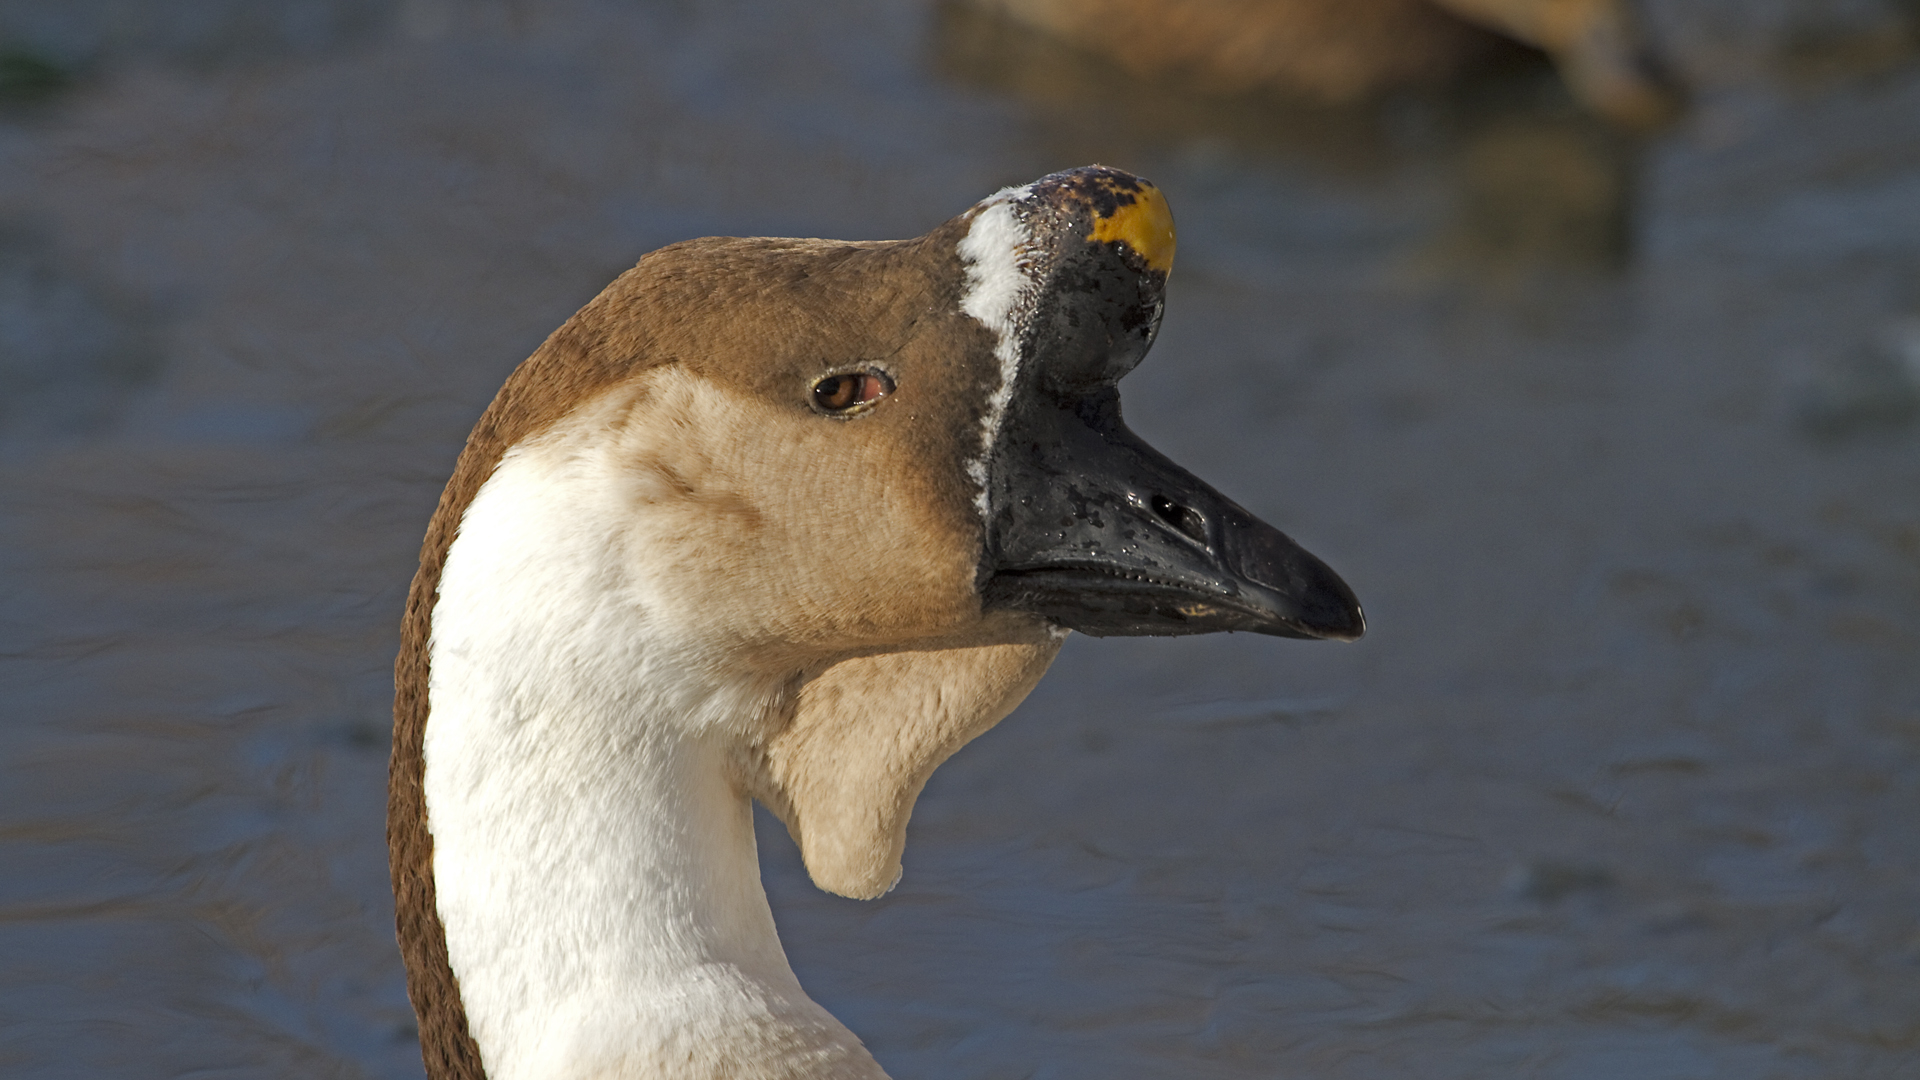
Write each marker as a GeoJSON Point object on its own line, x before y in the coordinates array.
{"type": "Point", "coordinates": [1621, 446]}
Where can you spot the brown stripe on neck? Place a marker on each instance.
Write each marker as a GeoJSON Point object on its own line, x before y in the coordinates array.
{"type": "Point", "coordinates": [600, 345]}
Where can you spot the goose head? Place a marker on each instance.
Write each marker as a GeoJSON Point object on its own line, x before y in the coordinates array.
{"type": "Point", "coordinates": [786, 520]}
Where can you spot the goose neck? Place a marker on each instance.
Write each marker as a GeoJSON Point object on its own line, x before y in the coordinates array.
{"type": "Point", "coordinates": [594, 862]}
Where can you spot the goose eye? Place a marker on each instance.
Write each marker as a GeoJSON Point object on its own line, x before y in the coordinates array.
{"type": "Point", "coordinates": [851, 389]}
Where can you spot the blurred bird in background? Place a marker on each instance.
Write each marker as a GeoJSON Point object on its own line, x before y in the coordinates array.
{"type": "Point", "coordinates": [1343, 51]}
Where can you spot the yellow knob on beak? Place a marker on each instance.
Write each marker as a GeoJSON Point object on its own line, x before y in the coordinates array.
{"type": "Point", "coordinates": [1145, 225]}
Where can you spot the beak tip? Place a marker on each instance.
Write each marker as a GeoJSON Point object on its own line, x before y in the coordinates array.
{"type": "Point", "coordinates": [1355, 629]}
{"type": "Point", "coordinates": [1311, 599]}
{"type": "Point", "coordinates": [1348, 623]}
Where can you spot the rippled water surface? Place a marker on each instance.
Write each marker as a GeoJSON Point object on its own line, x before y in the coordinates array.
{"type": "Point", "coordinates": [1619, 444]}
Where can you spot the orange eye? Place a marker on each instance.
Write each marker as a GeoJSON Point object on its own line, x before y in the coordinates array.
{"type": "Point", "coordinates": [849, 390]}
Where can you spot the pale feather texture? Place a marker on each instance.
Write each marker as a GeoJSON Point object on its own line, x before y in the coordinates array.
{"type": "Point", "coordinates": [870, 730]}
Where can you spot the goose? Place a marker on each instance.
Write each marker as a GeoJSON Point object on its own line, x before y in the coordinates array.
{"type": "Point", "coordinates": [786, 520]}
{"type": "Point", "coordinates": [1341, 51]}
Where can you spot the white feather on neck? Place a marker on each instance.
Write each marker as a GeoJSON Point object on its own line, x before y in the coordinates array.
{"type": "Point", "coordinates": [595, 866]}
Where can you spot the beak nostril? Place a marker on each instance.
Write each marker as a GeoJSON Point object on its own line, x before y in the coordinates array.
{"type": "Point", "coordinates": [1187, 520]}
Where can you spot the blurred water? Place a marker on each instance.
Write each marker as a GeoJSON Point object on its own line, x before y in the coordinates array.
{"type": "Point", "coordinates": [1620, 446]}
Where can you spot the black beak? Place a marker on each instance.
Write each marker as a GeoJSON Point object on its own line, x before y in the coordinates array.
{"type": "Point", "coordinates": [1087, 525]}
{"type": "Point", "coordinates": [1094, 529]}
